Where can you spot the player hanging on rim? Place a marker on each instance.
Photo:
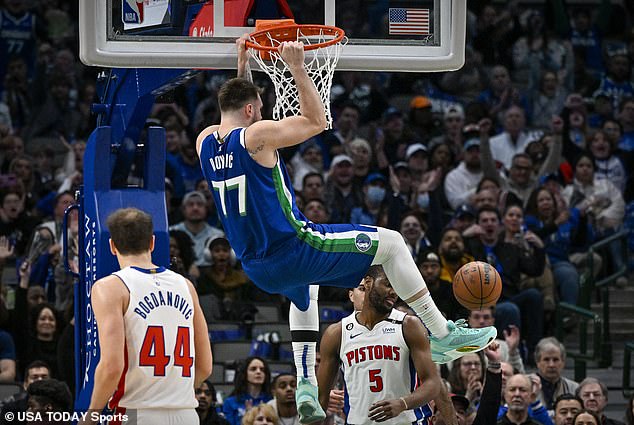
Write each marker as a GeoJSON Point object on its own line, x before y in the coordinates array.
{"type": "Point", "coordinates": [152, 333]}
{"type": "Point", "coordinates": [283, 252]}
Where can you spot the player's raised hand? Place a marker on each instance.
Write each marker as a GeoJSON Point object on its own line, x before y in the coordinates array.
{"type": "Point", "coordinates": [383, 410]}
{"type": "Point", "coordinates": [293, 53]}
{"type": "Point", "coordinates": [241, 47]}
{"type": "Point", "coordinates": [244, 70]}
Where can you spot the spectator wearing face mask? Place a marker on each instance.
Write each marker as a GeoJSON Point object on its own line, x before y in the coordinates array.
{"type": "Point", "coordinates": [373, 197]}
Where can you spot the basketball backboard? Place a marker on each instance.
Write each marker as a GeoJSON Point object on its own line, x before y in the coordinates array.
{"type": "Point", "coordinates": [383, 35]}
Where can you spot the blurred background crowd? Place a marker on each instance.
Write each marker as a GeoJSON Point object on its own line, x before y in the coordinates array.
{"type": "Point", "coordinates": [522, 158]}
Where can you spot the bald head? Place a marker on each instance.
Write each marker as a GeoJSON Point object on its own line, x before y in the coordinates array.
{"type": "Point", "coordinates": [518, 393]}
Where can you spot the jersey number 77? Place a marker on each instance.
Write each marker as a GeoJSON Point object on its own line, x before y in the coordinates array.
{"type": "Point", "coordinates": [238, 182]}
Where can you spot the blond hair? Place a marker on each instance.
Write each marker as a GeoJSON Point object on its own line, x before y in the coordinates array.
{"type": "Point", "coordinates": [252, 413]}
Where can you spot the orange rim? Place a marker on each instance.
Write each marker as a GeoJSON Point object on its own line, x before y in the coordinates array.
{"type": "Point", "coordinates": [289, 33]}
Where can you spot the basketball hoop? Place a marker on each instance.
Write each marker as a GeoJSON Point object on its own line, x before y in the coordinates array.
{"type": "Point", "coordinates": [322, 46]}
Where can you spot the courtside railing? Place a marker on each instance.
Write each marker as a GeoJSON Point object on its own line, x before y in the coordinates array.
{"type": "Point", "coordinates": [588, 286]}
{"type": "Point", "coordinates": [628, 389]}
{"type": "Point", "coordinates": [584, 317]}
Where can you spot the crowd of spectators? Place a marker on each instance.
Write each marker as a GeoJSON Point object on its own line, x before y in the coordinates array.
{"type": "Point", "coordinates": [522, 158]}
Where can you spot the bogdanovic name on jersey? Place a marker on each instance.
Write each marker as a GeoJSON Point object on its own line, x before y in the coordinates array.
{"type": "Point", "coordinates": [162, 298]}
{"type": "Point", "coordinates": [372, 352]}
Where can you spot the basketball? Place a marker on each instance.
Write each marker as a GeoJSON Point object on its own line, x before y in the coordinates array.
{"type": "Point", "coordinates": [477, 285]}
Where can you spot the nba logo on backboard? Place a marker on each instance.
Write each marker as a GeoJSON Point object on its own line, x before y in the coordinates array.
{"type": "Point", "coordinates": [132, 11]}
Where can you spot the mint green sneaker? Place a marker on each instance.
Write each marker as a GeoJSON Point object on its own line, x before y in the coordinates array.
{"type": "Point", "coordinates": [440, 358]}
{"type": "Point", "coordinates": [307, 400]}
{"type": "Point", "coordinates": [460, 341]}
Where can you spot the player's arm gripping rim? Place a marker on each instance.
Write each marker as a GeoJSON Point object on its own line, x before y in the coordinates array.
{"type": "Point", "coordinates": [244, 69]}
{"type": "Point", "coordinates": [420, 352]}
{"type": "Point", "coordinates": [265, 137]}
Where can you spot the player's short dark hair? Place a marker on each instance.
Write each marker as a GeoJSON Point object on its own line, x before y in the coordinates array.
{"type": "Point", "coordinates": [236, 93]}
{"type": "Point", "coordinates": [131, 230]}
{"type": "Point", "coordinates": [53, 392]}
{"type": "Point", "coordinates": [375, 272]}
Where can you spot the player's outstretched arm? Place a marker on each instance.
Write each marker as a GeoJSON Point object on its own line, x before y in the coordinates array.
{"type": "Point", "coordinates": [109, 302]}
{"type": "Point", "coordinates": [329, 364]}
{"type": "Point", "coordinates": [203, 360]}
{"type": "Point", "coordinates": [292, 130]}
{"type": "Point", "coordinates": [244, 69]}
{"type": "Point", "coordinates": [418, 343]}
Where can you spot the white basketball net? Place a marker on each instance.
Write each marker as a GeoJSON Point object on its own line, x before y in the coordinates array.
{"type": "Point", "coordinates": [320, 64]}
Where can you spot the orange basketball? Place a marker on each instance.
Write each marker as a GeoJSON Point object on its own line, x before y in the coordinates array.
{"type": "Point", "coordinates": [477, 285]}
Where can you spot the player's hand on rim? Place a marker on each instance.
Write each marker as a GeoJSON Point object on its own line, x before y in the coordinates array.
{"type": "Point", "coordinates": [383, 410]}
{"type": "Point", "coordinates": [293, 53]}
{"type": "Point", "coordinates": [241, 47]}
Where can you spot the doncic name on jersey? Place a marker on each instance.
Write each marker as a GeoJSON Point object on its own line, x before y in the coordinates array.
{"type": "Point", "coordinates": [162, 298]}
{"type": "Point", "coordinates": [221, 161]}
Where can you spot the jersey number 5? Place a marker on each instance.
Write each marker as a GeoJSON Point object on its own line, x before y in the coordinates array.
{"type": "Point", "coordinates": [376, 381]}
{"type": "Point", "coordinates": [240, 183]}
{"type": "Point", "coordinates": [153, 351]}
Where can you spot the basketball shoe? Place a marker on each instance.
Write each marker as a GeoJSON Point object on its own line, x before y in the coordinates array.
{"type": "Point", "coordinates": [308, 406]}
{"type": "Point", "coordinates": [460, 341]}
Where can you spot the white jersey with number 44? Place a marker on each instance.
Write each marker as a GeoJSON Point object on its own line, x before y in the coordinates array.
{"type": "Point", "coordinates": [377, 366]}
{"type": "Point", "coordinates": [159, 342]}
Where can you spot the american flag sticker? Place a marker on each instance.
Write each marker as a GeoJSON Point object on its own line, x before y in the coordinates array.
{"type": "Point", "coordinates": [408, 21]}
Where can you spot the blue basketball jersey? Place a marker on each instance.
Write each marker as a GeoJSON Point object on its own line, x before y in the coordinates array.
{"type": "Point", "coordinates": [17, 38]}
{"type": "Point", "coordinates": [256, 204]}
{"type": "Point", "coordinates": [280, 249]}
